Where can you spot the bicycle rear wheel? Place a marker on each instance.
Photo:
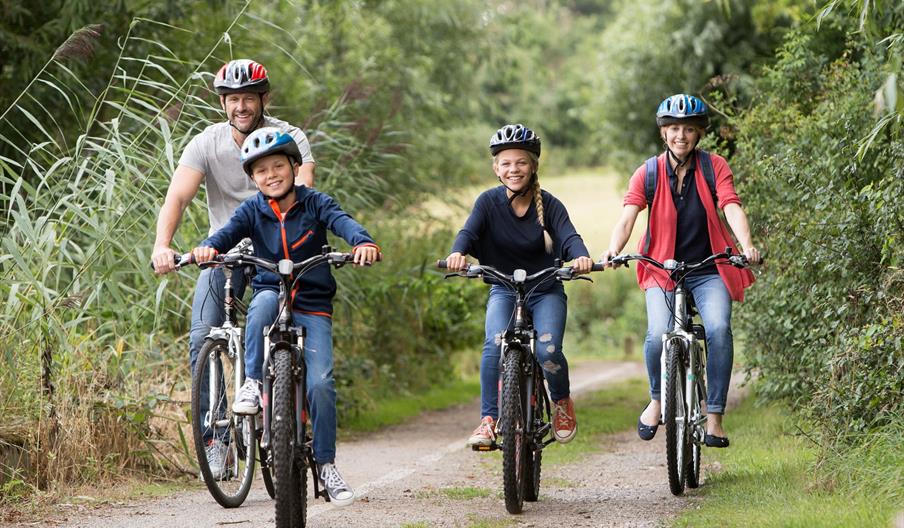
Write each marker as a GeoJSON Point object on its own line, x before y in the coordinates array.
{"type": "Point", "coordinates": [225, 459]}
{"type": "Point", "coordinates": [265, 472]}
{"type": "Point", "coordinates": [287, 484]}
{"type": "Point", "coordinates": [514, 451]}
{"type": "Point", "coordinates": [675, 418]}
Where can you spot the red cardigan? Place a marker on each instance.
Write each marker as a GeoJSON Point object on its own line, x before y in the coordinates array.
{"type": "Point", "coordinates": [664, 219]}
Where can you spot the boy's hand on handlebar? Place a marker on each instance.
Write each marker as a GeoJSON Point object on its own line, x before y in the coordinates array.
{"type": "Point", "coordinates": [203, 254]}
{"type": "Point", "coordinates": [582, 265]}
{"type": "Point", "coordinates": [366, 255]}
{"type": "Point", "coordinates": [456, 262]}
{"type": "Point", "coordinates": [164, 260]}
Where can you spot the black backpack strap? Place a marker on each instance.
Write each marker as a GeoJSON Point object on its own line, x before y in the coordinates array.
{"type": "Point", "coordinates": [651, 177]}
{"type": "Point", "coordinates": [709, 174]}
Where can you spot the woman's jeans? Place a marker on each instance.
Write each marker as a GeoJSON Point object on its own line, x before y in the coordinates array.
{"type": "Point", "coordinates": [714, 305]}
{"type": "Point", "coordinates": [206, 312]}
{"type": "Point", "coordinates": [318, 358]}
{"type": "Point", "coordinates": [548, 310]}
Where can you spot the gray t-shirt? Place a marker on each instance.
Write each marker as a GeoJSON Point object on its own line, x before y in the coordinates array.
{"type": "Point", "coordinates": [214, 153]}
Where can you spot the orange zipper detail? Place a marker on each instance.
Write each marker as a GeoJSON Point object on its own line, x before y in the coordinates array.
{"type": "Point", "coordinates": [302, 239]}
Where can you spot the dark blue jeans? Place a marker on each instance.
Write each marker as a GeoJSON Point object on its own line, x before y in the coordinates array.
{"type": "Point", "coordinates": [318, 359]}
{"type": "Point", "coordinates": [206, 312]}
{"type": "Point", "coordinates": [549, 310]}
{"type": "Point", "coordinates": [714, 304]}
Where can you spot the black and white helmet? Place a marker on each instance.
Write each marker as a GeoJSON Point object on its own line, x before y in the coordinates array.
{"type": "Point", "coordinates": [515, 137]}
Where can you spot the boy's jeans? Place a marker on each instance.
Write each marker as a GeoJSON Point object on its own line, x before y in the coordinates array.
{"type": "Point", "coordinates": [318, 358]}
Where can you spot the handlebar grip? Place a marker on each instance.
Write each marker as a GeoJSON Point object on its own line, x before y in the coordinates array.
{"type": "Point", "coordinates": [441, 264]}
{"type": "Point", "coordinates": [597, 266]}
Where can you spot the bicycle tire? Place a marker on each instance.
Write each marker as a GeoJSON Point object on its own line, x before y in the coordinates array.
{"type": "Point", "coordinates": [229, 489]}
{"type": "Point", "coordinates": [535, 460]}
{"type": "Point", "coordinates": [285, 469]}
{"type": "Point", "coordinates": [513, 453]}
{"type": "Point", "coordinates": [675, 419]}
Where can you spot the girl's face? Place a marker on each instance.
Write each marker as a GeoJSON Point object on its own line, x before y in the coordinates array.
{"type": "Point", "coordinates": [514, 168]}
{"type": "Point", "coordinates": [274, 175]}
{"type": "Point", "coordinates": [681, 139]}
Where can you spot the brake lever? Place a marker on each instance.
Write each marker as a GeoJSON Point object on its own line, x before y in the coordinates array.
{"type": "Point", "coordinates": [582, 277]}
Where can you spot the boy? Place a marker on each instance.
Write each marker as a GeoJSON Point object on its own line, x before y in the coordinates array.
{"type": "Point", "coordinates": [285, 221]}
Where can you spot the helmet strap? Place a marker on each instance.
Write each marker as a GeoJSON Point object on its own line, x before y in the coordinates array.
{"type": "Point", "coordinates": [515, 194]}
{"type": "Point", "coordinates": [678, 161]}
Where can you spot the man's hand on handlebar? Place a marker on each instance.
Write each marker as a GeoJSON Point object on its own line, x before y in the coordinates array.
{"type": "Point", "coordinates": [456, 262]}
{"type": "Point", "coordinates": [164, 260]}
{"type": "Point", "coordinates": [203, 254]}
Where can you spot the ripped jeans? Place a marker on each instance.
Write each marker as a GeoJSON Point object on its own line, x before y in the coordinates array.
{"type": "Point", "coordinates": [318, 358]}
{"type": "Point", "coordinates": [549, 310]}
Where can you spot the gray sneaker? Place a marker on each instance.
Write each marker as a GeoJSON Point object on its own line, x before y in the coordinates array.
{"type": "Point", "coordinates": [249, 398]}
{"type": "Point", "coordinates": [340, 493]}
{"type": "Point", "coordinates": [216, 458]}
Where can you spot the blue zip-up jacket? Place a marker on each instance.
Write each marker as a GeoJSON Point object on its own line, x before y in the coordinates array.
{"type": "Point", "coordinates": [296, 234]}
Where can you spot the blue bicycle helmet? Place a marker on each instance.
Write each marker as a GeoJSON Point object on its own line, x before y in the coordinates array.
{"type": "Point", "coordinates": [682, 108]}
{"type": "Point", "coordinates": [515, 137]}
{"type": "Point", "coordinates": [265, 142]}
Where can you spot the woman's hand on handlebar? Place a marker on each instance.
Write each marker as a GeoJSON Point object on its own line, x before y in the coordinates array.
{"type": "Point", "coordinates": [456, 262]}
{"type": "Point", "coordinates": [366, 255]}
{"type": "Point", "coordinates": [582, 265]}
{"type": "Point", "coordinates": [607, 256]}
{"type": "Point", "coordinates": [752, 254]}
{"type": "Point", "coordinates": [203, 254]}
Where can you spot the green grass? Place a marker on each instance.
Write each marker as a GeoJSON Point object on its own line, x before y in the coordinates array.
{"type": "Point", "coordinates": [418, 524]}
{"type": "Point", "coordinates": [770, 477]}
{"type": "Point", "coordinates": [396, 410]}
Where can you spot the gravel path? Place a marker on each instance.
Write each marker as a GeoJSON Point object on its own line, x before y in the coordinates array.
{"type": "Point", "coordinates": [405, 475]}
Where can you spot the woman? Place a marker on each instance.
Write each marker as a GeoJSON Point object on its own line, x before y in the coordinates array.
{"type": "Point", "coordinates": [684, 225]}
{"type": "Point", "coordinates": [519, 226]}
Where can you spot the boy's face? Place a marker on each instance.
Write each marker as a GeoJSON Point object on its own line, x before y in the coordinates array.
{"type": "Point", "coordinates": [274, 175]}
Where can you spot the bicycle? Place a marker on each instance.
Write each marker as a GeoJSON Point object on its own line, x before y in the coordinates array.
{"type": "Point", "coordinates": [284, 407]}
{"type": "Point", "coordinates": [525, 411]}
{"type": "Point", "coordinates": [222, 358]}
{"type": "Point", "coordinates": [683, 368]}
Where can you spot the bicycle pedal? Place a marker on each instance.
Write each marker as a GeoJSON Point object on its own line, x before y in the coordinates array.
{"type": "Point", "coordinates": [491, 447]}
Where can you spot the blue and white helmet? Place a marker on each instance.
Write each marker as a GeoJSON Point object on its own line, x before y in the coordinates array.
{"type": "Point", "coordinates": [515, 137]}
{"type": "Point", "coordinates": [265, 142]}
{"type": "Point", "coordinates": [682, 108]}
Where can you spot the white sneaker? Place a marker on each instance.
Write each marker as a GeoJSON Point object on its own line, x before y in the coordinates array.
{"type": "Point", "coordinates": [248, 399]}
{"type": "Point", "coordinates": [340, 493]}
{"type": "Point", "coordinates": [216, 458]}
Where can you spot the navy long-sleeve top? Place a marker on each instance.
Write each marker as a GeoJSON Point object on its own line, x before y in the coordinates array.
{"type": "Point", "coordinates": [497, 237]}
{"type": "Point", "coordinates": [297, 233]}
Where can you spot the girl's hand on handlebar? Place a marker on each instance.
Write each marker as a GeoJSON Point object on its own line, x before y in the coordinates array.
{"type": "Point", "coordinates": [456, 262]}
{"type": "Point", "coordinates": [582, 265]}
{"type": "Point", "coordinates": [366, 255]}
{"type": "Point", "coordinates": [203, 254]}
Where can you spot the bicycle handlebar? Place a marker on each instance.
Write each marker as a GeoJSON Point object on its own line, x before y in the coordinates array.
{"type": "Point", "coordinates": [672, 266]}
{"type": "Point", "coordinates": [473, 271]}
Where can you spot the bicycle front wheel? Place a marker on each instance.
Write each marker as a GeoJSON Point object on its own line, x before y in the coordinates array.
{"type": "Point", "coordinates": [675, 418]}
{"type": "Point", "coordinates": [224, 442]}
{"type": "Point", "coordinates": [514, 455]}
{"type": "Point", "coordinates": [287, 473]}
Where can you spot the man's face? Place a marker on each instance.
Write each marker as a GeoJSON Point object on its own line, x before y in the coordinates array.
{"type": "Point", "coordinates": [244, 110]}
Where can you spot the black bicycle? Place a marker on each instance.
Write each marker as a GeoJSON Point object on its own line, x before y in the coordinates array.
{"type": "Point", "coordinates": [525, 418]}
{"type": "Point", "coordinates": [683, 367]}
{"type": "Point", "coordinates": [283, 403]}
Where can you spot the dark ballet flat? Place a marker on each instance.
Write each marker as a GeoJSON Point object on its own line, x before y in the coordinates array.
{"type": "Point", "coordinates": [715, 441]}
{"type": "Point", "coordinates": [644, 431]}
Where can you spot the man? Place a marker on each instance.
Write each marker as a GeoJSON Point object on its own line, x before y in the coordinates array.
{"type": "Point", "coordinates": [214, 158]}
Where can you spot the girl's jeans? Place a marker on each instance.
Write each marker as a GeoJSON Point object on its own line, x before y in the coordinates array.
{"type": "Point", "coordinates": [548, 310]}
{"type": "Point", "coordinates": [714, 304]}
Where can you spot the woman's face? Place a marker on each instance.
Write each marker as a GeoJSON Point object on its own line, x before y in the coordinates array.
{"type": "Point", "coordinates": [513, 167]}
{"type": "Point", "coordinates": [274, 174]}
{"type": "Point", "coordinates": [680, 138]}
